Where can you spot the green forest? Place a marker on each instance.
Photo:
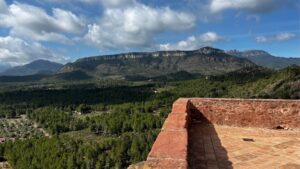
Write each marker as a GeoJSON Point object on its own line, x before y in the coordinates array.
{"type": "Point", "coordinates": [113, 127]}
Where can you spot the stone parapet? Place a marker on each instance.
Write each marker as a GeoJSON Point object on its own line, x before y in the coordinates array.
{"type": "Point", "coordinates": [170, 150]}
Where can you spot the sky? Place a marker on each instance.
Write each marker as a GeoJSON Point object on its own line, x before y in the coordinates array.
{"type": "Point", "coordinates": [65, 30]}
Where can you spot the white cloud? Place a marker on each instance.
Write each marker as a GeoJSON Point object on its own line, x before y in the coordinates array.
{"type": "Point", "coordinates": [284, 36]}
{"type": "Point", "coordinates": [194, 42]}
{"type": "Point", "coordinates": [250, 5]}
{"type": "Point", "coordinates": [105, 3]}
{"type": "Point", "coordinates": [115, 3]}
{"type": "Point", "coordinates": [15, 51]}
{"type": "Point", "coordinates": [3, 7]}
{"type": "Point", "coordinates": [135, 26]}
{"type": "Point", "coordinates": [31, 22]}
{"type": "Point", "coordinates": [261, 39]}
{"type": "Point", "coordinates": [125, 24]}
{"type": "Point", "coordinates": [256, 18]}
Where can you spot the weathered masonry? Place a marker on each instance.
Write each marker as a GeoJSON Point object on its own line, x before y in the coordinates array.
{"type": "Point", "coordinates": [229, 133]}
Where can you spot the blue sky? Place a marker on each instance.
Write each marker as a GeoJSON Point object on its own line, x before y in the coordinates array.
{"type": "Point", "coordinates": [65, 30]}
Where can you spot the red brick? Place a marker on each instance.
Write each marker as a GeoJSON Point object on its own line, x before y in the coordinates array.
{"type": "Point", "coordinates": [250, 113]}
{"type": "Point", "coordinates": [170, 144]}
{"type": "Point", "coordinates": [166, 164]}
{"type": "Point", "coordinates": [176, 121]}
{"type": "Point", "coordinates": [170, 149]}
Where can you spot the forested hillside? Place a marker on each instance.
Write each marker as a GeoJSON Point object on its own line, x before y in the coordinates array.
{"type": "Point", "coordinates": [113, 127]}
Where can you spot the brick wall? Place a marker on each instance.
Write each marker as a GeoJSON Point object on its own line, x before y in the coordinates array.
{"type": "Point", "coordinates": [248, 113]}
{"type": "Point", "coordinates": [170, 149]}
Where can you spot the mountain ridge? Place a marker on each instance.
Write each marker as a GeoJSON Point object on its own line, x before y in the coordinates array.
{"type": "Point", "coordinates": [133, 55]}
{"type": "Point", "coordinates": [144, 65]}
{"type": "Point", "coordinates": [263, 58]}
{"type": "Point", "coordinates": [206, 61]}
{"type": "Point", "coordinates": [33, 68]}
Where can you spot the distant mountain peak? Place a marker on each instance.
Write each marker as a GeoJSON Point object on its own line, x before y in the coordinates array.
{"type": "Point", "coordinates": [263, 58]}
{"type": "Point", "coordinates": [209, 50]}
{"type": "Point", "coordinates": [41, 61]}
{"type": "Point", "coordinates": [248, 53]}
{"type": "Point", "coordinates": [4, 67]}
{"type": "Point", "coordinates": [256, 52]}
{"type": "Point", "coordinates": [32, 68]}
{"type": "Point", "coordinates": [43, 64]}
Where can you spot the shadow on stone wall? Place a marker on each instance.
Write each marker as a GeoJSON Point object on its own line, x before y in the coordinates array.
{"type": "Point", "coordinates": [205, 149]}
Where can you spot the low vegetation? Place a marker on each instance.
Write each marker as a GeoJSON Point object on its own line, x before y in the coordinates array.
{"type": "Point", "coordinates": [20, 128]}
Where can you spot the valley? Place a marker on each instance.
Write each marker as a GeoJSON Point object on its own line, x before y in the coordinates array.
{"type": "Point", "coordinates": [114, 125]}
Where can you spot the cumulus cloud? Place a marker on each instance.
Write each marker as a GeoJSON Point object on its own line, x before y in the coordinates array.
{"type": "Point", "coordinates": [284, 36]}
{"type": "Point", "coordinates": [250, 5]}
{"type": "Point", "coordinates": [15, 51]}
{"type": "Point", "coordinates": [3, 6]}
{"type": "Point", "coordinates": [31, 22]}
{"type": "Point", "coordinates": [193, 42]}
{"type": "Point", "coordinates": [135, 25]}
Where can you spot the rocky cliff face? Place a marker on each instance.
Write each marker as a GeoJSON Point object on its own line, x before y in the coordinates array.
{"type": "Point", "coordinates": [206, 61]}
{"type": "Point", "coordinates": [248, 53]}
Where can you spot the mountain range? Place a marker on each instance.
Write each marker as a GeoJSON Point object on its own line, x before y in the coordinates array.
{"type": "Point", "coordinates": [35, 67]}
{"type": "Point", "coordinates": [4, 67]}
{"type": "Point", "coordinates": [263, 58]}
{"type": "Point", "coordinates": [154, 65]}
{"type": "Point", "coordinates": [205, 61]}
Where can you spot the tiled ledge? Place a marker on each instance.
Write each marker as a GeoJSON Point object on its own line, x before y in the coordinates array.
{"type": "Point", "coordinates": [170, 150]}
